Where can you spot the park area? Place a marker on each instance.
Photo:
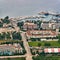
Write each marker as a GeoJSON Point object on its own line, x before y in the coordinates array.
{"type": "Point", "coordinates": [13, 58]}
{"type": "Point", "coordinates": [44, 43]}
{"type": "Point", "coordinates": [46, 58]}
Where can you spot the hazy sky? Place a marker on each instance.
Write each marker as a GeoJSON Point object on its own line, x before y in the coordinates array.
{"type": "Point", "coordinates": [14, 8]}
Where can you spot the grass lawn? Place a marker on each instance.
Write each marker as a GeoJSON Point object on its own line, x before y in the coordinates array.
{"type": "Point", "coordinates": [52, 43]}
{"type": "Point", "coordinates": [47, 58]}
{"type": "Point", "coordinates": [13, 59]}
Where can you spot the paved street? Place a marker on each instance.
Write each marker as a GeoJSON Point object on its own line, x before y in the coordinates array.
{"type": "Point", "coordinates": [12, 56]}
{"type": "Point", "coordinates": [28, 55]}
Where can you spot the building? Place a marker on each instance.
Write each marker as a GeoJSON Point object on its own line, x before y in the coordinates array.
{"type": "Point", "coordinates": [7, 25]}
{"type": "Point", "coordinates": [43, 34]}
{"type": "Point", "coordinates": [9, 49]}
{"type": "Point", "coordinates": [29, 26]}
{"type": "Point", "coordinates": [52, 50]}
{"type": "Point", "coordinates": [7, 30]}
{"type": "Point", "coordinates": [45, 25]}
{"type": "Point", "coordinates": [50, 25]}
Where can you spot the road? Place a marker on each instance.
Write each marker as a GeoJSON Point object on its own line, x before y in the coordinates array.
{"type": "Point", "coordinates": [12, 56]}
{"type": "Point", "coordinates": [26, 45]}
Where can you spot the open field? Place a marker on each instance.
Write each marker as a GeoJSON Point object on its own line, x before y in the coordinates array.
{"type": "Point", "coordinates": [13, 59]}
{"type": "Point", "coordinates": [52, 43]}
{"type": "Point", "coordinates": [47, 58]}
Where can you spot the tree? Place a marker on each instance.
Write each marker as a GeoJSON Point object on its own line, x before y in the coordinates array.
{"type": "Point", "coordinates": [39, 23]}
{"type": "Point", "coordinates": [16, 35]}
{"type": "Point", "coordinates": [59, 29]}
{"type": "Point", "coordinates": [2, 36]}
{"type": "Point", "coordinates": [20, 24]}
{"type": "Point", "coordinates": [19, 35]}
{"type": "Point", "coordinates": [47, 44]}
{"type": "Point", "coordinates": [8, 58]}
{"type": "Point", "coordinates": [35, 22]}
{"type": "Point", "coordinates": [47, 38]}
{"type": "Point", "coordinates": [6, 20]}
{"type": "Point", "coordinates": [33, 39]}
{"type": "Point", "coordinates": [39, 44]}
{"type": "Point", "coordinates": [8, 35]}
{"type": "Point", "coordinates": [59, 38]}
{"type": "Point", "coordinates": [1, 24]}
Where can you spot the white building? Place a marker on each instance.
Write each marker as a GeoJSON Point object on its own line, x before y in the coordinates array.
{"type": "Point", "coordinates": [29, 26]}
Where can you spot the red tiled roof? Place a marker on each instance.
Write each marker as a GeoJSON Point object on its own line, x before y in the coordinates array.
{"type": "Point", "coordinates": [52, 50]}
{"type": "Point", "coordinates": [52, 33]}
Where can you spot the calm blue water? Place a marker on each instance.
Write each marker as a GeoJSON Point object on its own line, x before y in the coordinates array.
{"type": "Point", "coordinates": [14, 8]}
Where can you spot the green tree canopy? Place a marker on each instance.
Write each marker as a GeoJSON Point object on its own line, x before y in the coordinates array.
{"type": "Point", "coordinates": [6, 20]}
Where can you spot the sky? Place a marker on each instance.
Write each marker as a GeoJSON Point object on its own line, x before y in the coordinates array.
{"type": "Point", "coordinates": [15, 8]}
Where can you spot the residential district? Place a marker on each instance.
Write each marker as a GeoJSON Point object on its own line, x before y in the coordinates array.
{"type": "Point", "coordinates": [30, 37]}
